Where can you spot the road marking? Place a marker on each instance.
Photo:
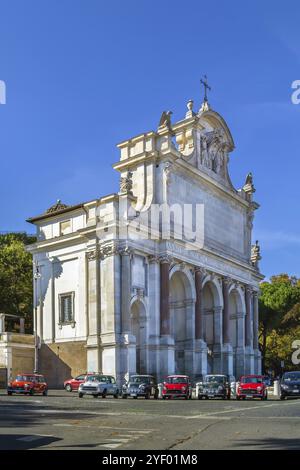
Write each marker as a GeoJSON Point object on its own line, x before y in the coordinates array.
{"type": "Point", "coordinates": [110, 446]}
{"type": "Point", "coordinates": [115, 428]}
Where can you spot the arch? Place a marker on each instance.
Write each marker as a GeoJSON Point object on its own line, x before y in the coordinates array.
{"type": "Point", "coordinates": [182, 316]}
{"type": "Point", "coordinates": [138, 319]}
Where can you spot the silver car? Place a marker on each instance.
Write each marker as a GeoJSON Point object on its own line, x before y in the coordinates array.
{"type": "Point", "coordinates": [99, 385]}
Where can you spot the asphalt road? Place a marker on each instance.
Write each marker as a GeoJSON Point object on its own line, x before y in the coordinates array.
{"type": "Point", "coordinates": [63, 421]}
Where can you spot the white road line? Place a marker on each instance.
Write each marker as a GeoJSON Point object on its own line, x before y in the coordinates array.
{"type": "Point", "coordinates": [110, 446]}
{"type": "Point", "coordinates": [115, 428]}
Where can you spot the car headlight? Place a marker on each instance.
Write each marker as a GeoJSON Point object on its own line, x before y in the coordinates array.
{"type": "Point", "coordinates": [220, 388]}
{"type": "Point", "coordinates": [183, 388]}
{"type": "Point", "coordinates": [285, 387]}
{"type": "Point", "coordinates": [142, 387]}
{"type": "Point", "coordinates": [26, 385]}
{"type": "Point", "coordinates": [259, 389]}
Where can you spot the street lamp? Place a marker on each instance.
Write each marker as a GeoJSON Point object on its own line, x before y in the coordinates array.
{"type": "Point", "coordinates": [36, 276]}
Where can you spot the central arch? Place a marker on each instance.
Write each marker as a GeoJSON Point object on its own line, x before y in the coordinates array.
{"type": "Point", "coordinates": [182, 300]}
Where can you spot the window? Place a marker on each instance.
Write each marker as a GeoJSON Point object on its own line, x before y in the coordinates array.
{"type": "Point", "coordinates": [65, 227]}
{"type": "Point", "coordinates": [66, 308]}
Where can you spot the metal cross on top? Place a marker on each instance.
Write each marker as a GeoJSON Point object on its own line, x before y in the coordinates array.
{"type": "Point", "coordinates": [206, 87]}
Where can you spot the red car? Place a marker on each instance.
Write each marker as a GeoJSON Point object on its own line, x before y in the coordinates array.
{"type": "Point", "coordinates": [28, 384]}
{"type": "Point", "coordinates": [72, 385]}
{"type": "Point", "coordinates": [252, 386]}
{"type": "Point", "coordinates": [177, 386]}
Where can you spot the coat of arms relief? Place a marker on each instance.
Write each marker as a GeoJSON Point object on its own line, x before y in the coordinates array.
{"type": "Point", "coordinates": [207, 150]}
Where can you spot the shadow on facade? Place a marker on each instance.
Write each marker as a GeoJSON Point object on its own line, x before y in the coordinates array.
{"type": "Point", "coordinates": [55, 370]}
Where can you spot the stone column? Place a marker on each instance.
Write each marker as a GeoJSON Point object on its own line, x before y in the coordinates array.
{"type": "Point", "coordinates": [218, 340]}
{"type": "Point", "coordinates": [249, 354]}
{"type": "Point", "coordinates": [164, 296]}
{"type": "Point", "coordinates": [125, 289]}
{"type": "Point", "coordinates": [227, 355]}
{"type": "Point", "coordinates": [167, 352]}
{"type": "Point", "coordinates": [128, 341]}
{"type": "Point", "coordinates": [226, 319]}
{"type": "Point", "coordinates": [200, 356]}
{"type": "Point", "coordinates": [94, 363]}
{"type": "Point", "coordinates": [154, 314]}
{"type": "Point", "coordinates": [257, 353]}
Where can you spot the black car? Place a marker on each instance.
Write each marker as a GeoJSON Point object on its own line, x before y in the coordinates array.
{"type": "Point", "coordinates": [215, 385]}
{"type": "Point", "coordinates": [290, 385]}
{"type": "Point", "coordinates": [140, 386]}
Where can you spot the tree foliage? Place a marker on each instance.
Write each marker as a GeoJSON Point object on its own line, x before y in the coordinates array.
{"type": "Point", "coordinates": [16, 296]}
{"type": "Point", "coordinates": [279, 320]}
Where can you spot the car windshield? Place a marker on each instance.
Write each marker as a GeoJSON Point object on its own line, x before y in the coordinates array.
{"type": "Point", "coordinates": [177, 380]}
{"type": "Point", "coordinates": [220, 379]}
{"type": "Point", "coordinates": [26, 378]}
{"type": "Point", "coordinates": [251, 380]}
{"type": "Point", "coordinates": [289, 376]}
{"type": "Point", "coordinates": [94, 378]}
{"type": "Point", "coordinates": [140, 379]}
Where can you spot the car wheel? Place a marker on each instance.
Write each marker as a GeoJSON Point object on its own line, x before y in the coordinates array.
{"type": "Point", "coordinates": [45, 393]}
{"type": "Point", "coordinates": [238, 398]}
{"type": "Point", "coordinates": [186, 397]}
{"type": "Point", "coordinates": [282, 397]}
{"type": "Point", "coordinates": [156, 395]}
{"type": "Point", "coordinates": [80, 395]}
{"type": "Point", "coordinates": [206, 398]}
{"type": "Point", "coordinates": [124, 396]}
{"type": "Point", "coordinates": [116, 395]}
{"type": "Point", "coordinates": [31, 392]}
{"type": "Point", "coordinates": [9, 393]}
{"type": "Point", "coordinates": [164, 397]}
{"type": "Point", "coordinates": [200, 397]}
{"type": "Point", "coordinates": [104, 394]}
{"type": "Point", "coordinates": [68, 388]}
{"type": "Point", "coordinates": [135, 398]}
{"type": "Point", "coordinates": [266, 396]}
{"type": "Point", "coordinates": [147, 396]}
{"type": "Point", "coordinates": [95, 396]}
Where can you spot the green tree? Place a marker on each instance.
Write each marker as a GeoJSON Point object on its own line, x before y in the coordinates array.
{"type": "Point", "coordinates": [16, 293]}
{"type": "Point", "coordinates": [279, 311]}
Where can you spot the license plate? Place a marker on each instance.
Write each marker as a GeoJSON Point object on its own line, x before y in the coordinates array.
{"type": "Point", "coordinates": [248, 396]}
{"type": "Point", "coordinates": [89, 393]}
{"type": "Point", "coordinates": [133, 394]}
{"type": "Point", "coordinates": [295, 391]}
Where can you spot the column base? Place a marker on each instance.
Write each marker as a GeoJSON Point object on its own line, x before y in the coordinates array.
{"type": "Point", "coordinates": [200, 358]}
{"type": "Point", "coordinates": [239, 362]}
{"type": "Point", "coordinates": [166, 357]}
{"type": "Point", "coordinates": [249, 360]}
{"type": "Point", "coordinates": [227, 359]}
{"type": "Point", "coordinates": [257, 361]}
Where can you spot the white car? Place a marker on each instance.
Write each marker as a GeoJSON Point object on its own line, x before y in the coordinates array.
{"type": "Point", "coordinates": [99, 385]}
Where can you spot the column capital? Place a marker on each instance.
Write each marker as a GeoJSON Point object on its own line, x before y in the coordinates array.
{"type": "Point", "coordinates": [200, 269]}
{"type": "Point", "coordinates": [94, 254]}
{"type": "Point", "coordinates": [152, 259]}
{"type": "Point", "coordinates": [227, 281]}
{"type": "Point", "coordinates": [108, 249]}
{"type": "Point", "coordinates": [125, 250]}
{"type": "Point", "coordinates": [165, 259]}
{"type": "Point", "coordinates": [248, 289]}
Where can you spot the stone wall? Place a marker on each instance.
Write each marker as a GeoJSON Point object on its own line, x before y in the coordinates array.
{"type": "Point", "coordinates": [16, 353]}
{"type": "Point", "coordinates": [61, 361]}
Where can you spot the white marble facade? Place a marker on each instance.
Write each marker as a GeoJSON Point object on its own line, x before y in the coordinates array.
{"type": "Point", "coordinates": [156, 304]}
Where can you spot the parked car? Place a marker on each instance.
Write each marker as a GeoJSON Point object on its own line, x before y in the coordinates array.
{"type": "Point", "coordinates": [215, 385]}
{"type": "Point", "coordinates": [177, 386]}
{"type": "Point", "coordinates": [99, 385]}
{"type": "Point", "coordinates": [72, 385]}
{"type": "Point", "coordinates": [290, 385]}
{"type": "Point", "coordinates": [28, 384]}
{"type": "Point", "coordinates": [140, 386]}
{"type": "Point", "coordinates": [252, 386]}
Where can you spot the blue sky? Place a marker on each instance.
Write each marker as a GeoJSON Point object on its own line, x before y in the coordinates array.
{"type": "Point", "coordinates": [83, 75]}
